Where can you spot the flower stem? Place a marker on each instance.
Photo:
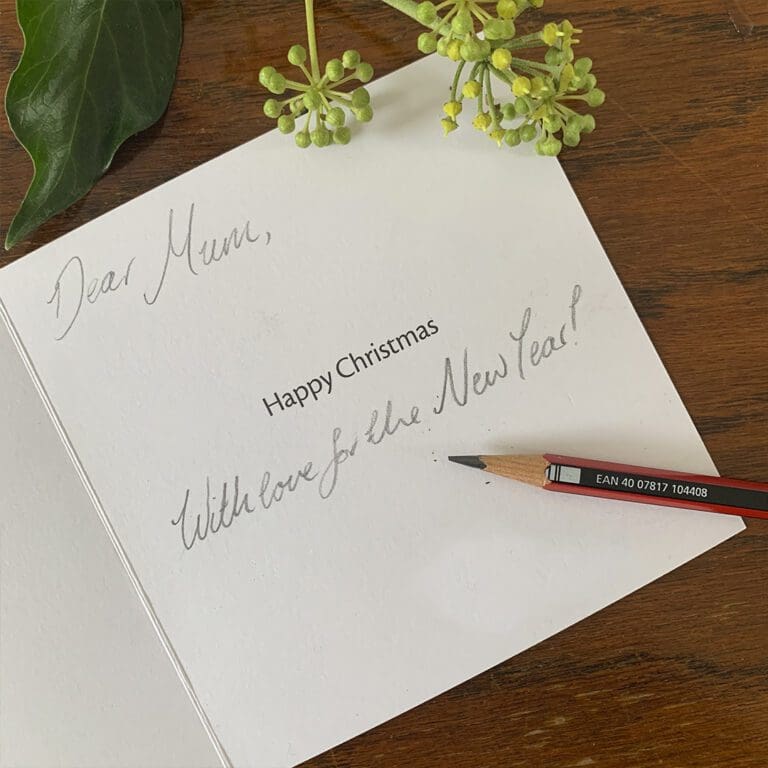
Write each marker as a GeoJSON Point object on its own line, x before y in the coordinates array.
{"type": "Point", "coordinates": [456, 78]}
{"type": "Point", "coordinates": [503, 76]}
{"type": "Point", "coordinates": [532, 63]}
{"type": "Point", "coordinates": [489, 98]}
{"type": "Point", "coordinates": [531, 40]}
{"type": "Point", "coordinates": [312, 38]}
{"type": "Point", "coordinates": [408, 7]}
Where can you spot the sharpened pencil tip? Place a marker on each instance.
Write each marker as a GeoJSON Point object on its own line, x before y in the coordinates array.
{"type": "Point", "coordinates": [468, 461]}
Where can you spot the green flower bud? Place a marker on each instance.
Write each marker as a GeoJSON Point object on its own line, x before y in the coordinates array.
{"type": "Point", "coordinates": [334, 69]}
{"type": "Point", "coordinates": [302, 139]}
{"type": "Point", "coordinates": [485, 49]}
{"type": "Point", "coordinates": [426, 12]}
{"type": "Point", "coordinates": [553, 123]}
{"type": "Point", "coordinates": [455, 47]}
{"type": "Point", "coordinates": [342, 135]}
{"type": "Point", "coordinates": [541, 87]}
{"type": "Point", "coordinates": [571, 137]}
{"type": "Point", "coordinates": [336, 117]}
{"type": "Point", "coordinates": [507, 9]}
{"type": "Point", "coordinates": [350, 59]}
{"type": "Point", "coordinates": [448, 125]}
{"type": "Point", "coordinates": [364, 72]}
{"type": "Point", "coordinates": [286, 124]}
{"type": "Point", "coordinates": [521, 107]}
{"type": "Point", "coordinates": [550, 33]}
{"type": "Point", "coordinates": [462, 23]}
{"type": "Point", "coordinates": [272, 108]}
{"type": "Point", "coordinates": [482, 121]}
{"type": "Point", "coordinates": [360, 97]}
{"type": "Point", "coordinates": [471, 50]}
{"type": "Point", "coordinates": [265, 75]}
{"type": "Point", "coordinates": [499, 29]}
{"type": "Point", "coordinates": [363, 114]}
{"type": "Point", "coordinates": [501, 58]}
{"type": "Point", "coordinates": [442, 47]}
{"type": "Point", "coordinates": [549, 147]}
{"type": "Point", "coordinates": [521, 86]}
{"type": "Point", "coordinates": [297, 55]}
{"type": "Point", "coordinates": [528, 132]}
{"type": "Point", "coordinates": [471, 89]}
{"type": "Point", "coordinates": [587, 123]}
{"type": "Point", "coordinates": [512, 137]}
{"type": "Point", "coordinates": [312, 99]}
{"type": "Point", "coordinates": [452, 108]}
{"type": "Point", "coordinates": [595, 97]}
{"type": "Point", "coordinates": [426, 43]}
{"type": "Point", "coordinates": [567, 76]}
{"type": "Point", "coordinates": [494, 29]}
{"type": "Point", "coordinates": [573, 123]}
{"type": "Point", "coordinates": [582, 66]}
{"type": "Point", "coordinates": [276, 83]}
{"type": "Point", "coordinates": [497, 135]}
{"type": "Point", "coordinates": [508, 111]}
{"type": "Point", "coordinates": [321, 137]}
{"type": "Point", "coordinates": [554, 57]}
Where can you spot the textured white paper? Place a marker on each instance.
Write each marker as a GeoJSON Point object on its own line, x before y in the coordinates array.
{"type": "Point", "coordinates": [387, 575]}
{"type": "Point", "coordinates": [83, 680]}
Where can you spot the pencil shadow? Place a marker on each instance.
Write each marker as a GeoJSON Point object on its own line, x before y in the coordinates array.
{"type": "Point", "coordinates": [598, 445]}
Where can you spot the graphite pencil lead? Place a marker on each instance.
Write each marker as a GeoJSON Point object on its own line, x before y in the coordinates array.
{"type": "Point", "coordinates": [469, 461]}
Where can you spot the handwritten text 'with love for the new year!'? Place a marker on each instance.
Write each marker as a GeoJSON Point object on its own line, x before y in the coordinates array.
{"type": "Point", "coordinates": [216, 504]}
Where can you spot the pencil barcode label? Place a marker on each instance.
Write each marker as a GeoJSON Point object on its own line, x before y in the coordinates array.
{"type": "Point", "coordinates": [673, 486]}
{"type": "Point", "coordinates": [561, 474]}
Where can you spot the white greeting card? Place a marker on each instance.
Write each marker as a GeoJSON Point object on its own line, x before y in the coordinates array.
{"type": "Point", "coordinates": [259, 369]}
{"type": "Point", "coordinates": [83, 679]}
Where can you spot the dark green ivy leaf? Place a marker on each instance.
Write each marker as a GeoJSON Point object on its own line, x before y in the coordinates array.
{"type": "Point", "coordinates": [93, 73]}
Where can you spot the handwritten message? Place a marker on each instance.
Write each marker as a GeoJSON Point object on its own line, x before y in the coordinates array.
{"type": "Point", "coordinates": [75, 290]}
{"type": "Point", "coordinates": [216, 506]}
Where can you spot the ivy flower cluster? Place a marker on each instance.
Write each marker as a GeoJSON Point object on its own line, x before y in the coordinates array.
{"type": "Point", "coordinates": [516, 99]}
{"type": "Point", "coordinates": [318, 104]}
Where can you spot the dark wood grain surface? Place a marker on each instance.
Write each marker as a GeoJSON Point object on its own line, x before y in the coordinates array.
{"type": "Point", "coordinates": [674, 181]}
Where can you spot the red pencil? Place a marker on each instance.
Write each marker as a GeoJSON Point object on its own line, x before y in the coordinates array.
{"type": "Point", "coordinates": [626, 482]}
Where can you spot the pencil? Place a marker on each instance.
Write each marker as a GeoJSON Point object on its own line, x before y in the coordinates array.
{"type": "Point", "coordinates": [608, 480]}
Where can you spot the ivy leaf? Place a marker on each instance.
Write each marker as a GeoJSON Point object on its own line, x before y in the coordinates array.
{"type": "Point", "coordinates": [93, 73]}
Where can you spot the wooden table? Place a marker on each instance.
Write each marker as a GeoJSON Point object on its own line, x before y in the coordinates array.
{"type": "Point", "coordinates": [674, 181]}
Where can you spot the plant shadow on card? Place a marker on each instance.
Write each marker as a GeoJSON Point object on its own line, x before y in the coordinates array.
{"type": "Point", "coordinates": [389, 115]}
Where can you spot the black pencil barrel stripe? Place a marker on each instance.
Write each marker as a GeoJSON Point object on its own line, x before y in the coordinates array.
{"type": "Point", "coordinates": [654, 486]}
